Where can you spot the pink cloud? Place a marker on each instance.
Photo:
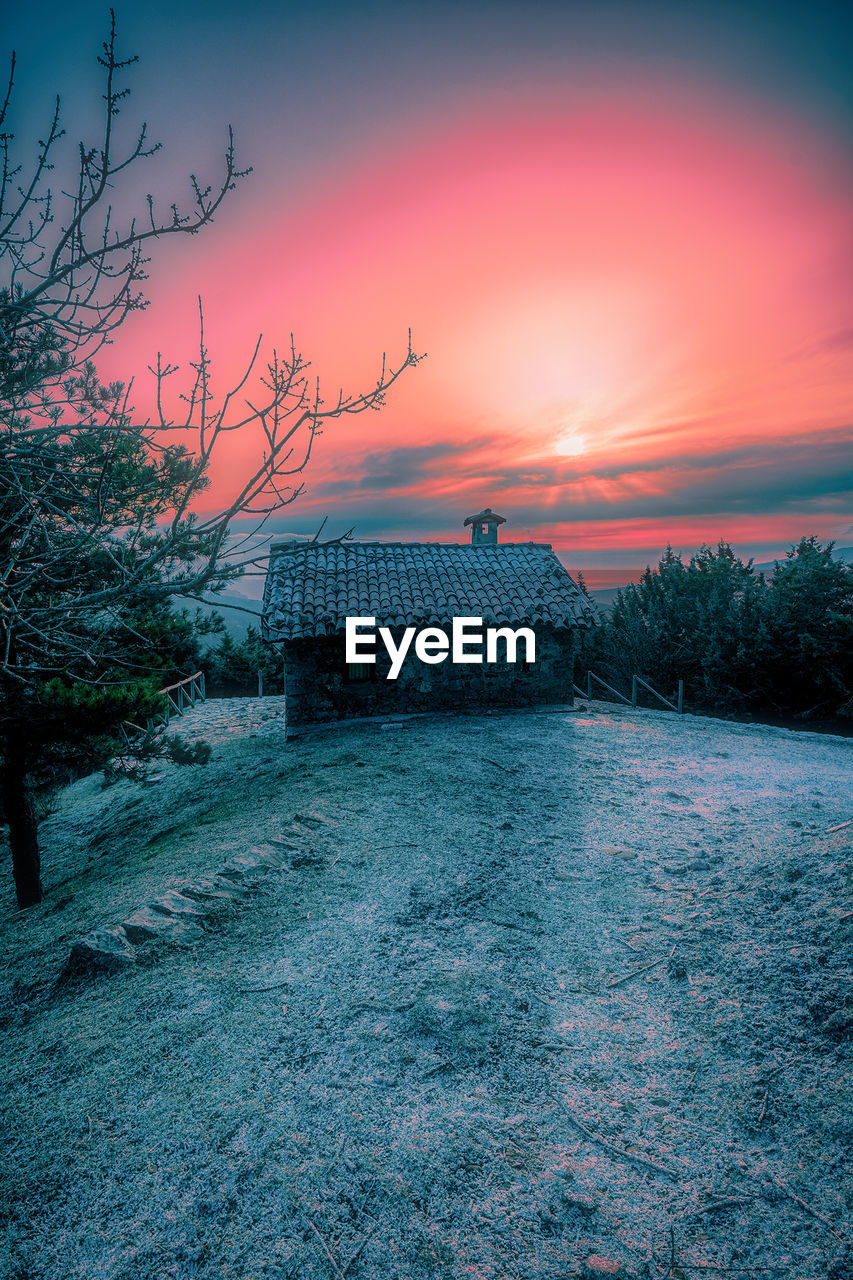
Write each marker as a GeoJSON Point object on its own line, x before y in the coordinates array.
{"type": "Point", "coordinates": [611, 273]}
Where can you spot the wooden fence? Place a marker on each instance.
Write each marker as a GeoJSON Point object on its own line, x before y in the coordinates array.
{"type": "Point", "coordinates": [186, 692]}
{"type": "Point", "coordinates": [179, 696]}
{"type": "Point", "coordinates": [636, 683]}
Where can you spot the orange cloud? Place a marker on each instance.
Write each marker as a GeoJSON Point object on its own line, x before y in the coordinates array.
{"type": "Point", "coordinates": [602, 275]}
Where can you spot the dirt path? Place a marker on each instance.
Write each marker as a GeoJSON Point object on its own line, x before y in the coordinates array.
{"type": "Point", "coordinates": [528, 988]}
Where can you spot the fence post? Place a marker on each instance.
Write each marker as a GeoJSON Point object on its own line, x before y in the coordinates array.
{"type": "Point", "coordinates": [260, 684]}
{"type": "Point", "coordinates": [589, 685]}
{"type": "Point", "coordinates": [201, 682]}
{"type": "Point", "coordinates": [681, 697]}
{"type": "Point", "coordinates": [634, 691]}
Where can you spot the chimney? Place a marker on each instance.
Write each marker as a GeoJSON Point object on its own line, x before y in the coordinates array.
{"type": "Point", "coordinates": [484, 528]}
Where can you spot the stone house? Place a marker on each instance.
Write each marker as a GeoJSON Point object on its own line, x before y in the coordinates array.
{"type": "Point", "coordinates": [313, 588]}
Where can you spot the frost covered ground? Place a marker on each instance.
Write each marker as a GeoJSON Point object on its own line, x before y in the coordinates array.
{"type": "Point", "coordinates": [528, 989]}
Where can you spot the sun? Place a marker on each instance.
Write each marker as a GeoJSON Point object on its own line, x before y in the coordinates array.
{"type": "Point", "coordinates": [570, 444]}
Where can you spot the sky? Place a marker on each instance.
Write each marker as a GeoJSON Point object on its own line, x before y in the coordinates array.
{"type": "Point", "coordinates": [622, 233]}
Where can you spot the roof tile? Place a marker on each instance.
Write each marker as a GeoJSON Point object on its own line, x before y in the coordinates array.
{"type": "Point", "coordinates": [311, 589]}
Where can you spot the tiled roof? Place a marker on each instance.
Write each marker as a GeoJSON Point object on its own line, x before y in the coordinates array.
{"type": "Point", "coordinates": [312, 588]}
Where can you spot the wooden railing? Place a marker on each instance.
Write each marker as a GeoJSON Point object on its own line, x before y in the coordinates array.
{"type": "Point", "coordinates": [636, 682]}
{"type": "Point", "coordinates": [186, 692]}
{"type": "Point", "coordinates": [590, 676]}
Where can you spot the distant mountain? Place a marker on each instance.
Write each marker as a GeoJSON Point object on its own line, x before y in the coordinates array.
{"type": "Point", "coordinates": [232, 608]}
{"type": "Point", "coordinates": [605, 596]}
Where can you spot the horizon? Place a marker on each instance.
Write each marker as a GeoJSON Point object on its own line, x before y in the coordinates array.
{"type": "Point", "coordinates": [597, 577]}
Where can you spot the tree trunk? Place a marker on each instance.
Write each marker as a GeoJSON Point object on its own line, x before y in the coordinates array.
{"type": "Point", "coordinates": [23, 830]}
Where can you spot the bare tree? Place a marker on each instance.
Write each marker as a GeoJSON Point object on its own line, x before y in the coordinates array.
{"type": "Point", "coordinates": [98, 510]}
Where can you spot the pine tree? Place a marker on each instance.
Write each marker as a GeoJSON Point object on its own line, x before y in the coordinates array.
{"type": "Point", "coordinates": [98, 508]}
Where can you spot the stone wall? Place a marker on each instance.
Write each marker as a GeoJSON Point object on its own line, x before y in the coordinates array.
{"type": "Point", "coordinates": [318, 687]}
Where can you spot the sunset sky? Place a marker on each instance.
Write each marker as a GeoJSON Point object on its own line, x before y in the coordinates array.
{"type": "Point", "coordinates": [623, 234]}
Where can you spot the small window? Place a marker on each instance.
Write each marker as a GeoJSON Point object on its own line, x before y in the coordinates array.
{"type": "Point", "coordinates": [359, 671]}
